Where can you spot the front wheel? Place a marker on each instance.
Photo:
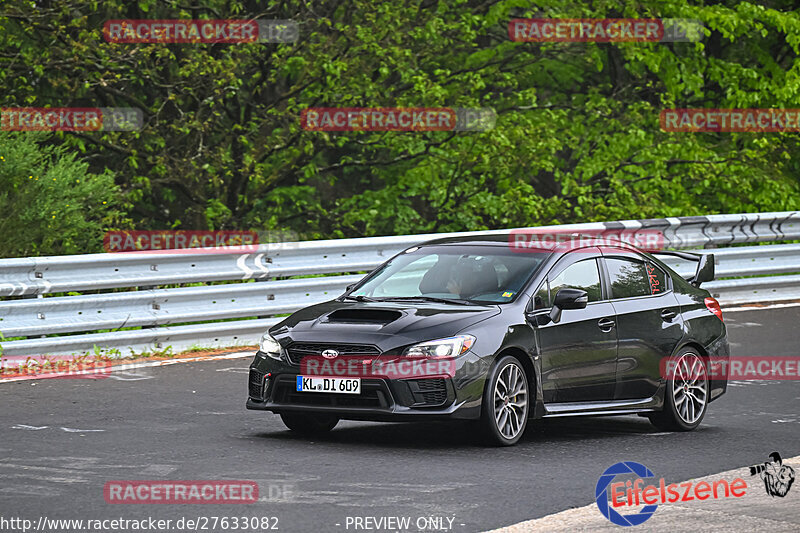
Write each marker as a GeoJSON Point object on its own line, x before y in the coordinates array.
{"type": "Point", "coordinates": [686, 395]}
{"type": "Point", "coordinates": [504, 413]}
{"type": "Point", "coordinates": [309, 423]}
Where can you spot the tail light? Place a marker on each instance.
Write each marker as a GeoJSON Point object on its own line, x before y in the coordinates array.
{"type": "Point", "coordinates": [713, 306]}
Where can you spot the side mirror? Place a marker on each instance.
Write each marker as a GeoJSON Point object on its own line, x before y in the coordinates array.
{"type": "Point", "coordinates": [571, 299]}
{"type": "Point", "coordinates": [568, 299]}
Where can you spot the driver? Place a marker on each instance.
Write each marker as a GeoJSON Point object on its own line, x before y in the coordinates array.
{"type": "Point", "coordinates": [455, 283]}
{"type": "Point", "coordinates": [468, 279]}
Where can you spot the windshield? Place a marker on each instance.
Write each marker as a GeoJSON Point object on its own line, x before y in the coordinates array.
{"type": "Point", "coordinates": [487, 274]}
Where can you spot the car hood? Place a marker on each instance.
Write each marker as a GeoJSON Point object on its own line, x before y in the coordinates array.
{"type": "Point", "coordinates": [387, 325]}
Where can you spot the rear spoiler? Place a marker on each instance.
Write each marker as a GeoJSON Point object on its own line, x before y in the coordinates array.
{"type": "Point", "coordinates": [705, 265]}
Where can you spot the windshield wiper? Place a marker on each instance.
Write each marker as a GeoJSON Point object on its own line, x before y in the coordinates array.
{"type": "Point", "coordinates": [426, 299]}
{"type": "Point", "coordinates": [359, 298]}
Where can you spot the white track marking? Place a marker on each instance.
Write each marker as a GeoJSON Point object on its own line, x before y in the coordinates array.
{"type": "Point", "coordinates": [129, 376]}
{"type": "Point", "coordinates": [759, 308]}
{"type": "Point", "coordinates": [235, 369]}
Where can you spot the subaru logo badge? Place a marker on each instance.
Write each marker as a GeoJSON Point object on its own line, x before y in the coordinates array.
{"type": "Point", "coordinates": [330, 354]}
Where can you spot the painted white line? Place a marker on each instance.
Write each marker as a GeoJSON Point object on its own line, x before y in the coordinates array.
{"type": "Point", "coordinates": [167, 362]}
{"type": "Point", "coordinates": [129, 376]}
{"type": "Point", "coordinates": [755, 511]}
{"type": "Point", "coordinates": [759, 307]}
{"type": "Point", "coordinates": [235, 369]}
{"type": "Point", "coordinates": [68, 430]}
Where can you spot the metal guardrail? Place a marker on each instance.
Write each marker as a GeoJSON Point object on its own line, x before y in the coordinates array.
{"type": "Point", "coordinates": [46, 275]}
{"type": "Point", "coordinates": [157, 310]}
{"type": "Point", "coordinates": [156, 307]}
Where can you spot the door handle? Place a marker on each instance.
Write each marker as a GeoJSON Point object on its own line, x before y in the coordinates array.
{"type": "Point", "coordinates": [605, 324]}
{"type": "Point", "coordinates": [668, 314]}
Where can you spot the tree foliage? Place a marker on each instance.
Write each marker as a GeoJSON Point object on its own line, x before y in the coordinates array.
{"type": "Point", "coordinates": [577, 136]}
{"type": "Point", "coordinates": [51, 204]}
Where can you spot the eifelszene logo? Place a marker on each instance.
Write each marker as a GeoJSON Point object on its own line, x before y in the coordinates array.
{"type": "Point", "coordinates": [634, 493]}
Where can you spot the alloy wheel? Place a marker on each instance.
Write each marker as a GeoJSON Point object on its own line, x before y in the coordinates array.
{"type": "Point", "coordinates": [510, 401]}
{"type": "Point", "coordinates": [690, 388]}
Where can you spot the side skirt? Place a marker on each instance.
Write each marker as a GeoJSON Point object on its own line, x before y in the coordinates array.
{"type": "Point", "coordinates": [615, 407]}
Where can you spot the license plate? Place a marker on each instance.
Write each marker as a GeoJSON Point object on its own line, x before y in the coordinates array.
{"type": "Point", "coordinates": [322, 384]}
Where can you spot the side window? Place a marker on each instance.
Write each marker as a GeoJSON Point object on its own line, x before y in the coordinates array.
{"type": "Point", "coordinates": [541, 299]}
{"type": "Point", "coordinates": [581, 275]}
{"type": "Point", "coordinates": [628, 278]}
{"type": "Point", "coordinates": [657, 278]}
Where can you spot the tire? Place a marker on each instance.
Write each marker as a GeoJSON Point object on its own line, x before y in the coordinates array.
{"type": "Point", "coordinates": [504, 416]}
{"type": "Point", "coordinates": [309, 423]}
{"type": "Point", "coordinates": [686, 394]}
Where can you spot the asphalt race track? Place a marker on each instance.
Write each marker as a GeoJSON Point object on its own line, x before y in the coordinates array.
{"type": "Point", "coordinates": [62, 439]}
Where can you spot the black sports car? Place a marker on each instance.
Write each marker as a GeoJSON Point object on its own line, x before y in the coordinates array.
{"type": "Point", "coordinates": [472, 328]}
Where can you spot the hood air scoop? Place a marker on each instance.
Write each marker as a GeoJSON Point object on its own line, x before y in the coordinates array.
{"type": "Point", "coordinates": [364, 316]}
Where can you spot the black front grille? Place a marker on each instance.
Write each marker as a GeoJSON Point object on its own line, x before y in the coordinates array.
{"type": "Point", "coordinates": [256, 384]}
{"type": "Point", "coordinates": [432, 391]}
{"type": "Point", "coordinates": [373, 395]}
{"type": "Point", "coordinates": [298, 350]}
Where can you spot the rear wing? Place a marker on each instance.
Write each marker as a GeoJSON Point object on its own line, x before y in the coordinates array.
{"type": "Point", "coordinates": [705, 265]}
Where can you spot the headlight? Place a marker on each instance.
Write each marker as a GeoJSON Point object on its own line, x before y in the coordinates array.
{"type": "Point", "coordinates": [448, 347]}
{"type": "Point", "coordinates": [270, 346]}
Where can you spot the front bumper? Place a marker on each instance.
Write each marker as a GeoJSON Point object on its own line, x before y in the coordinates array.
{"type": "Point", "coordinates": [272, 387]}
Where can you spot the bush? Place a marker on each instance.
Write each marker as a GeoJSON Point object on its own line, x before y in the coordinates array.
{"type": "Point", "coordinates": [49, 202]}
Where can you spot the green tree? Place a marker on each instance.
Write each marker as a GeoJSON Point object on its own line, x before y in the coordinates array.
{"type": "Point", "coordinates": [577, 137]}
{"type": "Point", "coordinates": [51, 204]}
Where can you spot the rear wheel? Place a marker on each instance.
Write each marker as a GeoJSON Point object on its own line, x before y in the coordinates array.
{"type": "Point", "coordinates": [686, 395]}
{"type": "Point", "coordinates": [309, 423]}
{"type": "Point", "coordinates": [504, 413]}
